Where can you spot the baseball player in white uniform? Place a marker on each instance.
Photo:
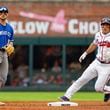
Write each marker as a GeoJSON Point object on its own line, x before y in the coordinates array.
{"type": "Point", "coordinates": [99, 68]}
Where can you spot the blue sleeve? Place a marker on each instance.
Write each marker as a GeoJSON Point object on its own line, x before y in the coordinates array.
{"type": "Point", "coordinates": [12, 35]}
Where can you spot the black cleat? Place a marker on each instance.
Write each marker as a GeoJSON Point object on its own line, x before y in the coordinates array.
{"type": "Point", "coordinates": [64, 98]}
{"type": "Point", "coordinates": [106, 97]}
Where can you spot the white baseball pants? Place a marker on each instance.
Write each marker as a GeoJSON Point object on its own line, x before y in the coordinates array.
{"type": "Point", "coordinates": [95, 69]}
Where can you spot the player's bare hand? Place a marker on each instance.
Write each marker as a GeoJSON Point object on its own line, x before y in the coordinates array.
{"type": "Point", "coordinates": [82, 57]}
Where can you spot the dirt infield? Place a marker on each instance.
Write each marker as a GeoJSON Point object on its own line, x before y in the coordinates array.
{"type": "Point", "coordinates": [35, 105]}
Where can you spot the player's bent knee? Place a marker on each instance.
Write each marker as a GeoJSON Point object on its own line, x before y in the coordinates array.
{"type": "Point", "coordinates": [99, 88]}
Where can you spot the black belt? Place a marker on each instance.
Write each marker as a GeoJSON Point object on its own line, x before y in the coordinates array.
{"type": "Point", "coordinates": [2, 49]}
{"type": "Point", "coordinates": [103, 61]}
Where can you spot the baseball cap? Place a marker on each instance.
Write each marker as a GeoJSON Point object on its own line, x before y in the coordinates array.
{"type": "Point", "coordinates": [105, 20]}
{"type": "Point", "coordinates": [3, 9]}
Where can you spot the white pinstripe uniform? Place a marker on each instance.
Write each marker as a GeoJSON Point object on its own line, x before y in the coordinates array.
{"type": "Point", "coordinates": [99, 68]}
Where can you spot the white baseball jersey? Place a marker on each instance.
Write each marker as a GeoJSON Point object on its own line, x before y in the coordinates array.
{"type": "Point", "coordinates": [103, 43]}
{"type": "Point", "coordinates": [99, 68]}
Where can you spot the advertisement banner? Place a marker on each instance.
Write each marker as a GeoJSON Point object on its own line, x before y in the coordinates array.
{"type": "Point", "coordinates": [65, 19]}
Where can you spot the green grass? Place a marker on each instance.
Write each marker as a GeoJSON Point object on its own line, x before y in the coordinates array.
{"type": "Point", "coordinates": [47, 96]}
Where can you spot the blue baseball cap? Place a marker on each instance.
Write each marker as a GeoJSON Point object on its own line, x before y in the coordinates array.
{"type": "Point", "coordinates": [3, 9]}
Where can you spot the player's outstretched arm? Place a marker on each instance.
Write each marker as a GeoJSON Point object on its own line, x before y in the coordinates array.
{"type": "Point", "coordinates": [90, 49]}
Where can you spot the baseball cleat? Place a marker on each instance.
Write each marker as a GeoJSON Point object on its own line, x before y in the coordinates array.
{"type": "Point", "coordinates": [1, 103]}
{"type": "Point", "coordinates": [64, 98]}
{"type": "Point", "coordinates": [106, 97]}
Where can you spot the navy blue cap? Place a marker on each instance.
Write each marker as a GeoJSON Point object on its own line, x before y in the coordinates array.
{"type": "Point", "coordinates": [105, 20]}
{"type": "Point", "coordinates": [3, 9]}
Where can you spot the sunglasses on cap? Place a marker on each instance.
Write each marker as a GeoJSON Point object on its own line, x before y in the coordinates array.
{"type": "Point", "coordinates": [105, 21]}
{"type": "Point", "coordinates": [3, 9]}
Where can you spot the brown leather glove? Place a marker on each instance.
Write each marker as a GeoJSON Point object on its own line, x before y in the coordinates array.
{"type": "Point", "coordinates": [9, 49]}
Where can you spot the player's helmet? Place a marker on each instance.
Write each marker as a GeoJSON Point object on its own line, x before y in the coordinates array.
{"type": "Point", "coordinates": [3, 9]}
{"type": "Point", "coordinates": [105, 21]}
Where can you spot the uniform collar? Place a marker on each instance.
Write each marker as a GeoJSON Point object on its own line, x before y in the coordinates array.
{"type": "Point", "coordinates": [105, 35]}
{"type": "Point", "coordinates": [3, 25]}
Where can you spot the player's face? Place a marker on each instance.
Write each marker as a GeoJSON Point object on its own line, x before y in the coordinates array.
{"type": "Point", "coordinates": [105, 28]}
{"type": "Point", "coordinates": [3, 15]}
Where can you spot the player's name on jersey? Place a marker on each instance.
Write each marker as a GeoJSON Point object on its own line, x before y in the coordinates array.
{"type": "Point", "coordinates": [5, 33]}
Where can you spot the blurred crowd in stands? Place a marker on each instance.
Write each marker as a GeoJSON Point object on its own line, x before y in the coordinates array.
{"type": "Point", "coordinates": [47, 65]}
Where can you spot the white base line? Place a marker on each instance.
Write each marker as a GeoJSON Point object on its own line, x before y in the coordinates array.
{"type": "Point", "coordinates": [1, 103]}
{"type": "Point", "coordinates": [65, 103]}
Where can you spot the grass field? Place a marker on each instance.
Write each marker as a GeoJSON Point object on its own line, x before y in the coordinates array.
{"type": "Point", "coordinates": [39, 100]}
{"type": "Point", "coordinates": [47, 96]}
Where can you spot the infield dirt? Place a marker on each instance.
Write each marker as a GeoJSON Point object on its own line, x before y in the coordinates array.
{"type": "Point", "coordinates": [42, 105]}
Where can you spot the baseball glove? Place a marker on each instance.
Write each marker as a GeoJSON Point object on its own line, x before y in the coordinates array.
{"type": "Point", "coordinates": [9, 49]}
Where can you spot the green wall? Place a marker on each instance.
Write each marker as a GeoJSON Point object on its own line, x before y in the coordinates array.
{"type": "Point", "coordinates": [53, 40]}
{"type": "Point", "coordinates": [62, 41]}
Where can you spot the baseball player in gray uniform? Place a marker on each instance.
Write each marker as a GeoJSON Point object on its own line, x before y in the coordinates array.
{"type": "Point", "coordinates": [6, 45]}
{"type": "Point", "coordinates": [99, 68]}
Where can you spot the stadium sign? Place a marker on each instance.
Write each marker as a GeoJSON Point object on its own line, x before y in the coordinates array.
{"type": "Point", "coordinates": [54, 19]}
{"type": "Point", "coordinates": [74, 27]}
